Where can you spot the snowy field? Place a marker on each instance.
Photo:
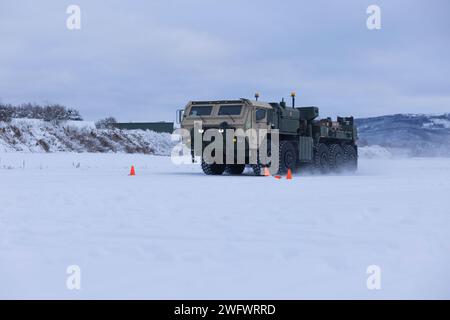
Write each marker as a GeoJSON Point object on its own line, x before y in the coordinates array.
{"type": "Point", "coordinates": [171, 232]}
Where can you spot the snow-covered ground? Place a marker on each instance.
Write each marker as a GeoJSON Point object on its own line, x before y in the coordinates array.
{"type": "Point", "coordinates": [171, 232]}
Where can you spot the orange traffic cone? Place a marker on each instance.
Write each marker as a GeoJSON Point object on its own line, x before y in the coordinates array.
{"type": "Point", "coordinates": [289, 174]}
{"type": "Point", "coordinates": [266, 172]}
{"type": "Point", "coordinates": [132, 172]}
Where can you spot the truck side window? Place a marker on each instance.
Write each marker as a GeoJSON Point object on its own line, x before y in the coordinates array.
{"type": "Point", "coordinates": [200, 111]}
{"type": "Point", "coordinates": [260, 114]}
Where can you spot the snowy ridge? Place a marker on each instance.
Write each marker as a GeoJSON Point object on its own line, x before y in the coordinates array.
{"type": "Point", "coordinates": [407, 134]}
{"type": "Point", "coordinates": [31, 135]}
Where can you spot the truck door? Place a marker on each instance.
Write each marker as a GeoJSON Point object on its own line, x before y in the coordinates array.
{"type": "Point", "coordinates": [260, 118]}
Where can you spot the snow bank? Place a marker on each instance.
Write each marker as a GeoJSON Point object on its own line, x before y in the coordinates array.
{"type": "Point", "coordinates": [31, 135]}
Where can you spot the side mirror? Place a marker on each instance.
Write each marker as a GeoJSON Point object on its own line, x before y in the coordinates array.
{"type": "Point", "coordinates": [179, 115]}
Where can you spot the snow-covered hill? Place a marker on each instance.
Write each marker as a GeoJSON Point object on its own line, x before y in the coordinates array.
{"type": "Point", "coordinates": [410, 134]}
{"type": "Point", "coordinates": [31, 135]}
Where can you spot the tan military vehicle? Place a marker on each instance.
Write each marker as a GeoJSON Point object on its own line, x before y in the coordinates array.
{"type": "Point", "coordinates": [327, 145]}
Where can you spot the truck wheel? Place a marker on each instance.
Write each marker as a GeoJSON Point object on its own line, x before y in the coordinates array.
{"type": "Point", "coordinates": [287, 157]}
{"type": "Point", "coordinates": [213, 169]}
{"type": "Point", "coordinates": [322, 158]}
{"type": "Point", "coordinates": [351, 158]}
{"type": "Point", "coordinates": [234, 169]}
{"type": "Point", "coordinates": [337, 159]}
{"type": "Point", "coordinates": [257, 169]}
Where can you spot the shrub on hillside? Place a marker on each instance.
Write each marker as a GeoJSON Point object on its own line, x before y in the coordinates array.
{"type": "Point", "coordinates": [51, 112]}
{"type": "Point", "coordinates": [106, 123]}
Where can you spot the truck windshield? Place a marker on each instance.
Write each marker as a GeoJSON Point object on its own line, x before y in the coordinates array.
{"type": "Point", "coordinates": [230, 110]}
{"type": "Point", "coordinates": [200, 111]}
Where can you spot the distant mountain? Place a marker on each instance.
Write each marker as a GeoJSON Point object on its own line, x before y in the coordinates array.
{"type": "Point", "coordinates": [411, 134]}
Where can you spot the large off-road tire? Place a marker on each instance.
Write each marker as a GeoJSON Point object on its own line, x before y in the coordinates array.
{"type": "Point", "coordinates": [234, 169]}
{"type": "Point", "coordinates": [337, 158]}
{"type": "Point", "coordinates": [351, 158]}
{"type": "Point", "coordinates": [257, 169]}
{"type": "Point", "coordinates": [213, 169]}
{"type": "Point", "coordinates": [322, 158]}
{"type": "Point", "coordinates": [287, 157]}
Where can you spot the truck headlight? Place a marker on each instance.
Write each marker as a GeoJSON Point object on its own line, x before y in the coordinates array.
{"type": "Point", "coordinates": [201, 130]}
{"type": "Point", "coordinates": [221, 130]}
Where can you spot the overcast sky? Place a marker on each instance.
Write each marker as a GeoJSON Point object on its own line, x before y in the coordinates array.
{"type": "Point", "coordinates": [142, 60]}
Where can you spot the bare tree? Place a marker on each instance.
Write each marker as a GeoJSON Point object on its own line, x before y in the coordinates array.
{"type": "Point", "coordinates": [106, 123]}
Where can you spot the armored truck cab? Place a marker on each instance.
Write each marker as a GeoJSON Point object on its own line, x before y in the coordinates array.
{"type": "Point", "coordinates": [324, 144]}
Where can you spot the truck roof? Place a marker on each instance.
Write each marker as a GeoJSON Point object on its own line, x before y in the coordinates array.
{"type": "Point", "coordinates": [255, 103]}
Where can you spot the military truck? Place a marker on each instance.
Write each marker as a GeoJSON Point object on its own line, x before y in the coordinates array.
{"type": "Point", "coordinates": [304, 140]}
